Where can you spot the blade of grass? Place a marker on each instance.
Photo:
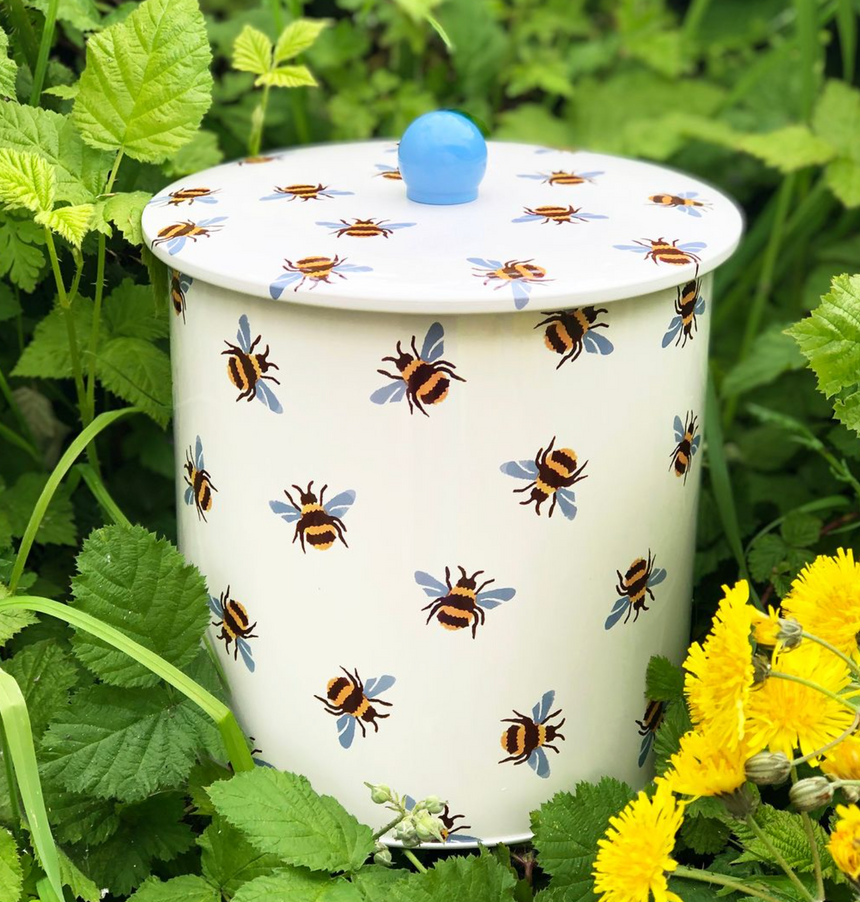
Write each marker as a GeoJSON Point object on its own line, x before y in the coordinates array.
{"type": "Point", "coordinates": [19, 738]}
{"type": "Point", "coordinates": [45, 46]}
{"type": "Point", "coordinates": [808, 44]}
{"type": "Point", "coordinates": [231, 733]}
{"type": "Point", "coordinates": [14, 439]}
{"type": "Point", "coordinates": [102, 495]}
{"type": "Point", "coordinates": [22, 27]}
{"type": "Point", "coordinates": [100, 423]}
{"type": "Point", "coordinates": [846, 23]}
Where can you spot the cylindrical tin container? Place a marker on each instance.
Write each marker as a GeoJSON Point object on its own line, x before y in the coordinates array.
{"type": "Point", "coordinates": [439, 464]}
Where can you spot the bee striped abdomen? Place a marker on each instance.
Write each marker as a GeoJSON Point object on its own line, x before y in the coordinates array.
{"type": "Point", "coordinates": [426, 382]}
{"type": "Point", "coordinates": [393, 174]}
{"type": "Point", "coordinates": [558, 214]}
{"type": "Point", "coordinates": [458, 611]}
{"type": "Point", "coordinates": [565, 178]}
{"type": "Point", "coordinates": [363, 230]}
{"type": "Point", "coordinates": [521, 738]}
{"type": "Point", "coordinates": [557, 338]}
{"type": "Point", "coordinates": [302, 191]}
{"type": "Point", "coordinates": [667, 253]}
{"type": "Point", "coordinates": [235, 619]}
{"type": "Point", "coordinates": [315, 267]}
{"type": "Point", "coordinates": [560, 464]}
{"type": "Point", "coordinates": [636, 580]}
{"type": "Point", "coordinates": [682, 455]}
{"type": "Point", "coordinates": [202, 491]}
{"type": "Point", "coordinates": [242, 370]}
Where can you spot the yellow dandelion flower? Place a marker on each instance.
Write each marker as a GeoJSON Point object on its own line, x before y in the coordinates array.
{"type": "Point", "coordinates": [784, 716]}
{"type": "Point", "coordinates": [825, 598]}
{"type": "Point", "coordinates": [720, 672]}
{"type": "Point", "coordinates": [704, 765]}
{"type": "Point", "coordinates": [766, 627]}
{"type": "Point", "coordinates": [635, 855]}
{"type": "Point", "coordinates": [843, 762]}
{"type": "Point", "coordinates": [844, 842]}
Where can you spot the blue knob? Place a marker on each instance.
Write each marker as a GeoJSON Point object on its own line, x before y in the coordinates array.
{"type": "Point", "coordinates": [442, 158]}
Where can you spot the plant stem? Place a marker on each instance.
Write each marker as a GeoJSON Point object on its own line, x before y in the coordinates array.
{"type": "Point", "coordinates": [383, 830]}
{"type": "Point", "coordinates": [258, 122]}
{"type": "Point", "coordinates": [11, 785]}
{"type": "Point", "coordinates": [807, 39]}
{"type": "Point", "coordinates": [778, 675]}
{"type": "Point", "coordinates": [277, 15]}
{"type": "Point", "coordinates": [846, 22]}
{"type": "Point", "coordinates": [855, 669]}
{"type": "Point", "coordinates": [20, 442]}
{"type": "Point", "coordinates": [693, 18]}
{"type": "Point", "coordinates": [44, 52]}
{"type": "Point", "coordinates": [102, 495]}
{"type": "Point", "coordinates": [826, 748]}
{"type": "Point", "coordinates": [720, 880]}
{"type": "Point", "coordinates": [813, 842]}
{"type": "Point", "coordinates": [16, 410]}
{"type": "Point", "coordinates": [414, 859]}
{"type": "Point", "coordinates": [777, 857]}
{"type": "Point", "coordinates": [63, 466]}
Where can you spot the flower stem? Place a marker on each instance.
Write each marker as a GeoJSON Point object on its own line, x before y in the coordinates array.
{"type": "Point", "coordinates": [777, 857]}
{"type": "Point", "coordinates": [383, 830]}
{"type": "Point", "coordinates": [832, 648]}
{"type": "Point", "coordinates": [418, 866]}
{"type": "Point", "coordinates": [778, 675]}
{"type": "Point", "coordinates": [813, 842]}
{"type": "Point", "coordinates": [830, 745]}
{"type": "Point", "coordinates": [720, 880]}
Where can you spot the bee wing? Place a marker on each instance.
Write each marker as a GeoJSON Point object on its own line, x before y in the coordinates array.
{"type": "Point", "coordinates": [461, 837]}
{"type": "Point", "coordinates": [185, 282]}
{"type": "Point", "coordinates": [521, 294]}
{"type": "Point", "coordinates": [595, 343]}
{"type": "Point", "coordinates": [617, 613]}
{"type": "Point", "coordinates": [208, 200]}
{"type": "Point", "coordinates": [694, 445]}
{"type": "Point", "coordinates": [243, 336]}
{"type": "Point", "coordinates": [175, 245]}
{"type": "Point", "coordinates": [541, 710]}
{"type": "Point", "coordinates": [287, 512]}
{"type": "Point", "coordinates": [377, 685]}
{"type": "Point", "coordinates": [338, 193]}
{"type": "Point", "coordinates": [345, 730]}
{"type": "Point", "coordinates": [431, 586]}
{"type": "Point", "coordinates": [215, 606]}
{"type": "Point", "coordinates": [267, 397]}
{"type": "Point", "coordinates": [332, 225]}
{"type": "Point", "coordinates": [390, 393]}
{"type": "Point", "coordinates": [693, 247]}
{"type": "Point", "coordinates": [161, 199]}
{"type": "Point", "coordinates": [679, 429]}
{"type": "Point", "coordinates": [566, 504]}
{"type": "Point", "coordinates": [276, 289]}
{"type": "Point", "coordinates": [691, 211]}
{"type": "Point", "coordinates": [590, 175]}
{"type": "Point", "coordinates": [535, 175]}
{"type": "Point", "coordinates": [700, 306]}
{"type": "Point", "coordinates": [340, 504]}
{"type": "Point", "coordinates": [198, 454]}
{"type": "Point", "coordinates": [260, 763]}
{"type": "Point", "coordinates": [539, 762]}
{"type": "Point", "coordinates": [383, 168]}
{"type": "Point", "coordinates": [657, 577]}
{"type": "Point", "coordinates": [645, 748]}
{"type": "Point", "coordinates": [590, 216]}
{"type": "Point", "coordinates": [247, 654]}
{"type": "Point", "coordinates": [672, 331]}
{"type": "Point", "coordinates": [485, 263]}
{"type": "Point", "coordinates": [189, 495]}
{"type": "Point", "coordinates": [520, 469]}
{"type": "Point", "coordinates": [529, 217]}
{"type": "Point", "coordinates": [351, 267]}
{"type": "Point", "coordinates": [399, 225]}
{"type": "Point", "coordinates": [636, 248]}
{"type": "Point", "coordinates": [434, 345]}
{"type": "Point", "coordinates": [408, 803]}
{"type": "Point", "coordinates": [492, 598]}
{"type": "Point", "coordinates": [277, 196]}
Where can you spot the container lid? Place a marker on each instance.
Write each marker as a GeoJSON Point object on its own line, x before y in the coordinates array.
{"type": "Point", "coordinates": [332, 225]}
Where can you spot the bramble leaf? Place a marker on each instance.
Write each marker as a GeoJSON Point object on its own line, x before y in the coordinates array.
{"type": "Point", "coordinates": [787, 149]}
{"type": "Point", "coordinates": [11, 875]}
{"type": "Point", "coordinates": [772, 354]}
{"type": "Point", "coordinates": [843, 179]}
{"type": "Point", "coordinates": [124, 211]}
{"type": "Point", "coordinates": [21, 254]}
{"type": "Point", "coordinates": [478, 878]}
{"type": "Point", "coordinates": [71, 223]}
{"type": "Point", "coordinates": [58, 524]}
{"type": "Point", "coordinates": [836, 118]}
{"type": "Point", "coordinates": [287, 77]}
{"type": "Point", "coordinates": [47, 355]}
{"type": "Point", "coordinates": [705, 835]}
{"type": "Point", "coordinates": [229, 860]}
{"type": "Point", "coordinates": [297, 885]}
{"type": "Point", "coordinates": [146, 85]}
{"type": "Point", "coordinates": [664, 681]}
{"type": "Point", "coordinates": [252, 51]}
{"type": "Point", "coordinates": [8, 68]}
{"type": "Point", "coordinates": [138, 372]}
{"type": "Point", "coordinates": [46, 675]}
{"type": "Point", "coordinates": [130, 312]}
{"type": "Point", "coordinates": [188, 888]}
{"type": "Point", "coordinates": [26, 181]}
{"type": "Point", "coordinates": [676, 722]}
{"type": "Point", "coordinates": [201, 152]}
{"type": "Point", "coordinates": [280, 814]}
{"type": "Point", "coordinates": [82, 14]}
{"type": "Point", "coordinates": [297, 37]}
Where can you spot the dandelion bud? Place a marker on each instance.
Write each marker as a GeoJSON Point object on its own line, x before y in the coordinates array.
{"type": "Point", "coordinates": [382, 856]}
{"type": "Point", "coordinates": [790, 633]}
{"type": "Point", "coordinates": [379, 793]}
{"type": "Point", "coordinates": [811, 793]}
{"type": "Point", "coordinates": [768, 768]}
{"type": "Point", "coordinates": [433, 804]}
{"type": "Point", "coordinates": [761, 669]}
{"type": "Point", "coordinates": [428, 827]}
{"type": "Point", "coordinates": [739, 803]}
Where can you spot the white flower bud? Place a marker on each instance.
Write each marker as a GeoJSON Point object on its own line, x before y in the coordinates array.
{"type": "Point", "coordinates": [433, 804]}
{"type": "Point", "coordinates": [379, 793]}
{"type": "Point", "coordinates": [429, 827]}
{"type": "Point", "coordinates": [811, 793]}
{"type": "Point", "coordinates": [382, 856]}
{"type": "Point", "coordinates": [405, 833]}
{"type": "Point", "coordinates": [768, 768]}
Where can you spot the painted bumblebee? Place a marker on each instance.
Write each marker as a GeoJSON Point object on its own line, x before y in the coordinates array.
{"type": "Point", "coordinates": [528, 737]}
{"type": "Point", "coordinates": [448, 821]}
{"type": "Point", "coordinates": [551, 474]}
{"type": "Point", "coordinates": [365, 228]}
{"type": "Point", "coordinates": [248, 370]}
{"type": "Point", "coordinates": [569, 332]}
{"type": "Point", "coordinates": [317, 521]}
{"type": "Point", "coordinates": [389, 172]}
{"type": "Point", "coordinates": [463, 604]}
{"type": "Point", "coordinates": [648, 727]}
{"type": "Point", "coordinates": [662, 251]}
{"type": "Point", "coordinates": [349, 700]}
{"type": "Point", "coordinates": [519, 274]}
{"type": "Point", "coordinates": [255, 161]}
{"type": "Point", "coordinates": [187, 196]}
{"type": "Point", "coordinates": [687, 440]}
{"type": "Point", "coordinates": [304, 192]}
{"type": "Point", "coordinates": [199, 483]}
{"type": "Point", "coordinates": [179, 285]}
{"type": "Point", "coordinates": [313, 269]}
{"type": "Point", "coordinates": [235, 626]}
{"type": "Point", "coordinates": [422, 378]}
{"type": "Point", "coordinates": [562, 177]}
{"type": "Point", "coordinates": [175, 235]}
{"type": "Point", "coordinates": [634, 589]}
{"type": "Point", "coordinates": [683, 201]}
{"type": "Point", "coordinates": [558, 215]}
{"type": "Point", "coordinates": [688, 305]}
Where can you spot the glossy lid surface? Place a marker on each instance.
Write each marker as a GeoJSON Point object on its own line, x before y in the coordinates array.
{"type": "Point", "coordinates": [331, 225]}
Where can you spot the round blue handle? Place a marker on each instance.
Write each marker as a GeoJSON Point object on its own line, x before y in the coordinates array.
{"type": "Point", "coordinates": [442, 158]}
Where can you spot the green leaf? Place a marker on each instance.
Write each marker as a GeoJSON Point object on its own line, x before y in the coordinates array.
{"type": "Point", "coordinates": [705, 835]}
{"type": "Point", "coordinates": [146, 85]}
{"type": "Point", "coordinates": [138, 372]}
{"type": "Point", "coordinates": [252, 51]}
{"type": "Point", "coordinates": [787, 149]}
{"type": "Point", "coordinates": [130, 312]}
{"type": "Point", "coordinates": [773, 353]}
{"type": "Point", "coordinates": [47, 355]}
{"type": "Point", "coordinates": [566, 830]}
{"type": "Point", "coordinates": [287, 77]}
{"type": "Point", "coordinates": [46, 675]}
{"type": "Point", "coordinates": [12, 622]}
{"type": "Point", "coordinates": [77, 818]}
{"type": "Point", "coordinates": [8, 68]}
{"type": "Point", "coordinates": [374, 881]}
{"type": "Point", "coordinates": [71, 223]}
{"type": "Point", "coordinates": [297, 885]}
{"type": "Point", "coordinates": [229, 860]}
{"type": "Point", "coordinates": [664, 681]}
{"type": "Point", "coordinates": [478, 878]}
{"type": "Point", "coordinates": [830, 341]}
{"type": "Point", "coordinates": [124, 211]}
{"type": "Point", "coordinates": [280, 814]}
{"type": "Point", "coordinates": [64, 92]}
{"type": "Point", "coordinates": [843, 179]}
{"type": "Point", "coordinates": [78, 882]}
{"type": "Point", "coordinates": [21, 255]}
{"type": "Point", "coordinates": [11, 875]}
{"type": "Point", "coordinates": [10, 307]}
{"type": "Point", "coordinates": [801, 529]}
{"type": "Point", "coordinates": [201, 152]}
{"type": "Point", "coordinates": [188, 888]}
{"type": "Point", "coordinates": [82, 14]}
{"type": "Point", "coordinates": [676, 722]}
{"type": "Point", "coordinates": [836, 118]}
{"type": "Point", "coordinates": [126, 743]}
{"type": "Point", "coordinates": [58, 524]}
{"type": "Point", "coordinates": [297, 37]}
{"type": "Point", "coordinates": [140, 584]}
{"type": "Point", "coordinates": [26, 181]}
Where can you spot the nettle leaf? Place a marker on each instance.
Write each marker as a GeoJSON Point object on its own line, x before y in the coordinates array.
{"type": "Point", "coordinates": [374, 881]}
{"type": "Point", "coordinates": [188, 888]}
{"type": "Point", "coordinates": [46, 675]}
{"type": "Point", "coordinates": [287, 77]}
{"type": "Point", "coordinates": [130, 311]}
{"type": "Point", "coordinates": [836, 118]}
{"type": "Point", "coordinates": [705, 835]}
{"type": "Point", "coordinates": [140, 584]}
{"type": "Point", "coordinates": [26, 181]}
{"type": "Point", "coordinates": [21, 256]}
{"type": "Point", "coordinates": [201, 152]}
{"type": "Point", "coordinates": [8, 68]}
{"type": "Point", "coordinates": [830, 341]}
{"type": "Point", "coordinates": [298, 885]}
{"type": "Point", "coordinates": [788, 149]}
{"type": "Point", "coordinates": [676, 722]}
{"type": "Point", "coordinates": [71, 223]}
{"type": "Point", "coordinates": [229, 860]}
{"type": "Point", "coordinates": [58, 524]}
{"type": "Point", "coordinates": [138, 372]}
{"type": "Point", "coordinates": [76, 817]}
{"type": "Point", "coordinates": [566, 830]}
{"type": "Point", "coordinates": [478, 878]}
{"type": "Point", "coordinates": [47, 355]}
{"type": "Point", "coordinates": [252, 51]}
{"type": "Point", "coordinates": [78, 882]}
{"type": "Point", "coordinates": [146, 85]}
{"type": "Point", "coordinates": [280, 814]}
{"type": "Point", "coordinates": [843, 179]}
{"type": "Point", "coordinates": [664, 681]}
{"type": "Point", "coordinates": [11, 623]}
{"type": "Point", "coordinates": [124, 211]}
{"type": "Point", "coordinates": [297, 37]}
{"type": "Point", "coordinates": [11, 874]}
{"type": "Point", "coordinates": [801, 529]}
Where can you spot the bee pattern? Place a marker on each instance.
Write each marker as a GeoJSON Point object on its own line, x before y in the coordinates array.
{"type": "Point", "coordinates": [315, 269]}
{"type": "Point", "coordinates": [662, 251]}
{"type": "Point", "coordinates": [254, 161]}
{"type": "Point", "coordinates": [568, 332]}
{"type": "Point", "coordinates": [179, 285]}
{"type": "Point", "coordinates": [187, 195]}
{"type": "Point", "coordinates": [688, 439]}
{"type": "Point", "coordinates": [558, 215]}
{"type": "Point", "coordinates": [423, 378]}
{"type": "Point", "coordinates": [304, 193]}
{"type": "Point", "coordinates": [648, 727]}
{"type": "Point", "coordinates": [448, 821]}
{"type": "Point", "coordinates": [365, 228]}
{"type": "Point", "coordinates": [316, 520]}
{"type": "Point", "coordinates": [463, 604]}
{"type": "Point", "coordinates": [199, 482]}
{"type": "Point", "coordinates": [634, 589]}
{"type": "Point", "coordinates": [683, 201]}
{"type": "Point", "coordinates": [175, 235]}
{"type": "Point", "coordinates": [235, 626]}
{"type": "Point", "coordinates": [528, 737]}
{"type": "Point", "coordinates": [519, 274]}
{"type": "Point", "coordinates": [551, 473]}
{"type": "Point", "coordinates": [688, 305]}
{"type": "Point", "coordinates": [248, 370]}
{"type": "Point", "coordinates": [349, 700]}
{"type": "Point", "coordinates": [389, 172]}
{"type": "Point", "coordinates": [561, 177]}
